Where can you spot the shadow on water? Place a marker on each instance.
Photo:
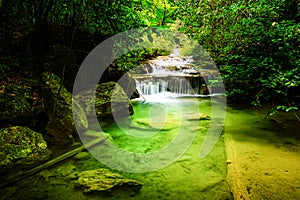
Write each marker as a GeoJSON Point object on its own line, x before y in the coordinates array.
{"type": "Point", "coordinates": [251, 123]}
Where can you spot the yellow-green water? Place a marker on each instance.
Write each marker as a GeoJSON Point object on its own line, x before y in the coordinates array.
{"type": "Point", "coordinates": [187, 177]}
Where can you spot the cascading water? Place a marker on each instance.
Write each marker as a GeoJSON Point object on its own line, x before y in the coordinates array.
{"type": "Point", "coordinates": [173, 74]}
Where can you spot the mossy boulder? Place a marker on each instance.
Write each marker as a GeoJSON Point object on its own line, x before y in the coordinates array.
{"type": "Point", "coordinates": [122, 77]}
{"type": "Point", "coordinates": [61, 126]}
{"type": "Point", "coordinates": [109, 99]}
{"type": "Point", "coordinates": [22, 146]}
{"type": "Point", "coordinates": [103, 180]}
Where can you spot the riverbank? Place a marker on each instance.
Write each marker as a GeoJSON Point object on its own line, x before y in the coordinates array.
{"type": "Point", "coordinates": [262, 155]}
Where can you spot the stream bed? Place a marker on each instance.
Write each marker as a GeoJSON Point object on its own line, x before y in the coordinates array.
{"type": "Point", "coordinates": [261, 156]}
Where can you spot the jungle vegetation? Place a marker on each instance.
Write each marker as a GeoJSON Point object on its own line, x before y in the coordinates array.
{"type": "Point", "coordinates": [254, 43]}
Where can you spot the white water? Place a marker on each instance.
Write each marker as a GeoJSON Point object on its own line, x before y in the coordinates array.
{"type": "Point", "coordinates": [174, 74]}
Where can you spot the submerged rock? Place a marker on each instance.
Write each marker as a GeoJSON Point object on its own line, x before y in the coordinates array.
{"type": "Point", "coordinates": [198, 117]}
{"type": "Point", "coordinates": [61, 126]}
{"type": "Point", "coordinates": [204, 117]}
{"type": "Point", "coordinates": [109, 100]}
{"type": "Point", "coordinates": [148, 124]}
{"type": "Point", "coordinates": [82, 156]}
{"type": "Point", "coordinates": [102, 180]}
{"type": "Point", "coordinates": [22, 146]}
{"type": "Point", "coordinates": [66, 169]}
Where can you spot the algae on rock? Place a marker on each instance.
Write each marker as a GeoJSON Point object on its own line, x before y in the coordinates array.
{"type": "Point", "coordinates": [22, 146]}
{"type": "Point", "coordinates": [101, 180]}
{"type": "Point", "coordinates": [109, 99]}
{"type": "Point", "coordinates": [61, 125]}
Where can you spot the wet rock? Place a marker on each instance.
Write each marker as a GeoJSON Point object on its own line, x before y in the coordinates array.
{"type": "Point", "coordinates": [198, 117]}
{"type": "Point", "coordinates": [110, 100]}
{"type": "Point", "coordinates": [204, 117]}
{"type": "Point", "coordinates": [82, 156]}
{"type": "Point", "coordinates": [112, 73]}
{"type": "Point", "coordinates": [103, 180]}
{"type": "Point", "coordinates": [61, 126]}
{"type": "Point", "coordinates": [191, 71]}
{"type": "Point", "coordinates": [66, 169]}
{"type": "Point", "coordinates": [142, 69]}
{"type": "Point", "coordinates": [46, 174]}
{"type": "Point", "coordinates": [22, 146]}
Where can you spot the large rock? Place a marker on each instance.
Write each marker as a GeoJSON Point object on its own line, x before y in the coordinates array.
{"type": "Point", "coordinates": [109, 100]}
{"type": "Point", "coordinates": [102, 180]}
{"type": "Point", "coordinates": [21, 146]}
{"type": "Point", "coordinates": [115, 74]}
{"type": "Point", "coordinates": [61, 126]}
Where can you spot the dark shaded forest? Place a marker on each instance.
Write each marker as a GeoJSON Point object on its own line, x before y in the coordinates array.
{"type": "Point", "coordinates": [255, 44]}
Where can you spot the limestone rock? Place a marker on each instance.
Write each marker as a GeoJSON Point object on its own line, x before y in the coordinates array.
{"type": "Point", "coordinates": [109, 100]}
{"type": "Point", "coordinates": [61, 125]}
{"type": "Point", "coordinates": [22, 146]}
{"type": "Point", "coordinates": [102, 180]}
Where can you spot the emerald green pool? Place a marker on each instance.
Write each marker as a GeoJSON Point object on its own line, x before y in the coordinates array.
{"type": "Point", "coordinates": [179, 173]}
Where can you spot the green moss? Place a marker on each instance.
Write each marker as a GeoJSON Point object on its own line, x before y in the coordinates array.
{"type": "Point", "coordinates": [20, 145]}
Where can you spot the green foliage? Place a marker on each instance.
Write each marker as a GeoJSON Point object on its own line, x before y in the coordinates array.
{"type": "Point", "coordinates": [156, 13]}
{"type": "Point", "coordinates": [134, 58]}
{"type": "Point", "coordinates": [255, 44]}
{"type": "Point", "coordinates": [4, 69]}
{"type": "Point", "coordinates": [32, 28]}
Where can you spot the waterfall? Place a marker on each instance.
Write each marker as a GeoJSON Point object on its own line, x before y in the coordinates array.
{"type": "Point", "coordinates": [173, 74]}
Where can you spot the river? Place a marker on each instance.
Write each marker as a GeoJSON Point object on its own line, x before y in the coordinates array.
{"type": "Point", "coordinates": [251, 158]}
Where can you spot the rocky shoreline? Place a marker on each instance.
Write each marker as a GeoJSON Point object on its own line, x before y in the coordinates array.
{"type": "Point", "coordinates": [46, 107]}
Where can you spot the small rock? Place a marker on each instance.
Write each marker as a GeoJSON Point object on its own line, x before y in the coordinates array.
{"type": "Point", "coordinates": [198, 117]}
{"type": "Point", "coordinates": [228, 162]}
{"type": "Point", "coordinates": [66, 169]}
{"type": "Point", "coordinates": [46, 174]}
{"type": "Point", "coordinates": [204, 117]}
{"type": "Point", "coordinates": [102, 180]}
{"type": "Point", "coordinates": [147, 124]}
{"type": "Point", "coordinates": [82, 156]}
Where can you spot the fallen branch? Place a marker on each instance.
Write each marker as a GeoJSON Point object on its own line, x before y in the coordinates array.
{"type": "Point", "coordinates": [23, 174]}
